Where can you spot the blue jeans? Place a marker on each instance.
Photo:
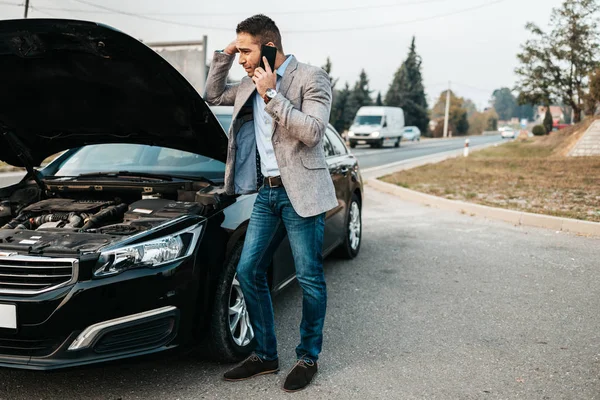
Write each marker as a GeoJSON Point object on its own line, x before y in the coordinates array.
{"type": "Point", "coordinates": [273, 216]}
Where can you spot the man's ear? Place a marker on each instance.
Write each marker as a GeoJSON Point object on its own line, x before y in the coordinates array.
{"type": "Point", "coordinates": [271, 44]}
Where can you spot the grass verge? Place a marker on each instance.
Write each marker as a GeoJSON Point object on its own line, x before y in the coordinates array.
{"type": "Point", "coordinates": [531, 175]}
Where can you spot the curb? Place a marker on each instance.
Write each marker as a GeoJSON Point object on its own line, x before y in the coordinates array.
{"type": "Point", "coordinates": [499, 214]}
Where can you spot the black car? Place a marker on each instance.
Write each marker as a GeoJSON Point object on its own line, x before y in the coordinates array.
{"type": "Point", "coordinates": [125, 244]}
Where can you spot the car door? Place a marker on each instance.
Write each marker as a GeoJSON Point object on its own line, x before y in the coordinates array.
{"type": "Point", "coordinates": [337, 161]}
{"type": "Point", "coordinates": [283, 262]}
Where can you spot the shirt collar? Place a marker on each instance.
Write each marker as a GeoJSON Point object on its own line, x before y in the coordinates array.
{"type": "Point", "coordinates": [283, 67]}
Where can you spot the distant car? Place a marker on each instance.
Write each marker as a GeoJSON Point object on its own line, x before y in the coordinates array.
{"type": "Point", "coordinates": [377, 126]}
{"type": "Point", "coordinates": [508, 133]}
{"type": "Point", "coordinates": [411, 133]}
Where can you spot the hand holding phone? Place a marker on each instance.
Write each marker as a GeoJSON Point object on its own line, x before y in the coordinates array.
{"type": "Point", "coordinates": [270, 53]}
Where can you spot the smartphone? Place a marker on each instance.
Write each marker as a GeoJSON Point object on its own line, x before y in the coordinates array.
{"type": "Point", "coordinates": [270, 52]}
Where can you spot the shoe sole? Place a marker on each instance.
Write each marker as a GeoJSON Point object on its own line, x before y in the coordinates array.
{"type": "Point", "coordinates": [252, 376]}
{"type": "Point", "coordinates": [298, 390]}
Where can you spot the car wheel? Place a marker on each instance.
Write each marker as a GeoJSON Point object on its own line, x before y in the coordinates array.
{"type": "Point", "coordinates": [231, 336]}
{"type": "Point", "coordinates": [353, 232]}
{"type": "Point", "coordinates": [353, 145]}
{"type": "Point", "coordinates": [397, 144]}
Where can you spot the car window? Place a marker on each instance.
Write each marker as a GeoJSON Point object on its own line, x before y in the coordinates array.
{"type": "Point", "coordinates": [327, 147]}
{"type": "Point", "coordinates": [113, 157]}
{"type": "Point", "coordinates": [224, 120]}
{"type": "Point", "coordinates": [367, 120]}
{"type": "Point", "coordinates": [336, 142]}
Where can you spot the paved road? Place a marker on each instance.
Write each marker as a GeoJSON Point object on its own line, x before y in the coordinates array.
{"type": "Point", "coordinates": [437, 306]}
{"type": "Point", "coordinates": [369, 157]}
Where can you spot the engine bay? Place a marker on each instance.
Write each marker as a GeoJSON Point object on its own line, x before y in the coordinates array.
{"type": "Point", "coordinates": [76, 220]}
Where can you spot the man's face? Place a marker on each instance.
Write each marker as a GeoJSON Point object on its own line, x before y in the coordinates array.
{"type": "Point", "coordinates": [250, 51]}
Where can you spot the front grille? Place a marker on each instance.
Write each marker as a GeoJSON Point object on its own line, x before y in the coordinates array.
{"type": "Point", "coordinates": [28, 275]}
{"type": "Point", "coordinates": [28, 347]}
{"type": "Point", "coordinates": [144, 335]}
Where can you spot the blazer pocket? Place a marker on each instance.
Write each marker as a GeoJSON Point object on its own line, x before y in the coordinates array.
{"type": "Point", "coordinates": [314, 163]}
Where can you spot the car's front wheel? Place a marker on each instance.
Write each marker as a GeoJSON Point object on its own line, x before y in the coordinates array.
{"type": "Point", "coordinates": [231, 333]}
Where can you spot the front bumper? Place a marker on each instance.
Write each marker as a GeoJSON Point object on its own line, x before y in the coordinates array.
{"type": "Point", "coordinates": [364, 140]}
{"type": "Point", "coordinates": [135, 313]}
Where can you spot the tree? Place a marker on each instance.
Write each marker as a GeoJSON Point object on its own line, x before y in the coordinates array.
{"type": "Point", "coordinates": [548, 121]}
{"type": "Point", "coordinates": [378, 102]}
{"type": "Point", "coordinates": [525, 111]}
{"type": "Point", "coordinates": [480, 122]}
{"type": "Point", "coordinates": [361, 95]}
{"type": "Point", "coordinates": [407, 91]}
{"type": "Point", "coordinates": [470, 107]}
{"type": "Point", "coordinates": [457, 121]}
{"type": "Point", "coordinates": [504, 103]}
{"type": "Point", "coordinates": [593, 97]}
{"type": "Point", "coordinates": [327, 68]}
{"type": "Point", "coordinates": [554, 66]}
{"type": "Point", "coordinates": [340, 110]}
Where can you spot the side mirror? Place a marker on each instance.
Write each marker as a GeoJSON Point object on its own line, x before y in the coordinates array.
{"type": "Point", "coordinates": [384, 124]}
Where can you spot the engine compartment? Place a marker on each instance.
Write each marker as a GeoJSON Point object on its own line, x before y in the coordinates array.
{"type": "Point", "coordinates": [110, 211]}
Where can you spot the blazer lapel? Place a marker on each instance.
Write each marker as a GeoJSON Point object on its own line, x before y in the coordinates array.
{"type": "Point", "coordinates": [246, 90]}
{"type": "Point", "coordinates": [288, 76]}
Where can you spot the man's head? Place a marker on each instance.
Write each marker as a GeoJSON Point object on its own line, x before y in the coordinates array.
{"type": "Point", "coordinates": [252, 33]}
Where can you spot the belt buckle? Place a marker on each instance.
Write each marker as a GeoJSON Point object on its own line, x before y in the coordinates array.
{"type": "Point", "coordinates": [270, 184]}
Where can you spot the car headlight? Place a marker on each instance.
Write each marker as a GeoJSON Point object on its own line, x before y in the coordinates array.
{"type": "Point", "coordinates": [375, 134]}
{"type": "Point", "coordinates": [151, 254]}
{"type": "Point", "coordinates": [350, 134]}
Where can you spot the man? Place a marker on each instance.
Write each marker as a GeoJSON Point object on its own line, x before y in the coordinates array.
{"type": "Point", "coordinates": [275, 148]}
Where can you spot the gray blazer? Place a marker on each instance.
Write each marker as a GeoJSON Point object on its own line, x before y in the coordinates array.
{"type": "Point", "coordinates": [300, 113]}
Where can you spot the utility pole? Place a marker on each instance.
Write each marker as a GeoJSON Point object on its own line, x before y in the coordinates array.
{"type": "Point", "coordinates": [26, 8]}
{"type": "Point", "coordinates": [447, 111]}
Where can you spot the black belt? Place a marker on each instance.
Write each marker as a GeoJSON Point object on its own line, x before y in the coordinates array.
{"type": "Point", "coordinates": [273, 181]}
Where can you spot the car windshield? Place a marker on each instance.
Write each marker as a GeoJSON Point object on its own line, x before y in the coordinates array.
{"type": "Point", "coordinates": [367, 120]}
{"type": "Point", "coordinates": [115, 157]}
{"type": "Point", "coordinates": [224, 120]}
{"type": "Point", "coordinates": [408, 130]}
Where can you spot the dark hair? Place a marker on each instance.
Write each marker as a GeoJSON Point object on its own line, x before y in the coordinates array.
{"type": "Point", "coordinates": [262, 28]}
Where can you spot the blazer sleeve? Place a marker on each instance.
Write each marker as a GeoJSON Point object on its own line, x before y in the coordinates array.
{"type": "Point", "coordinates": [218, 92]}
{"type": "Point", "coordinates": [307, 125]}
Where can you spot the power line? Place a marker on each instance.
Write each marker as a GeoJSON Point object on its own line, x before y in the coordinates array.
{"type": "Point", "coordinates": [228, 14]}
{"type": "Point", "coordinates": [36, 9]}
{"type": "Point", "coordinates": [7, 3]}
{"type": "Point", "coordinates": [364, 27]}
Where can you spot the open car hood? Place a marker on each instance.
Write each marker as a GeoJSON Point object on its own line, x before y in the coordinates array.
{"type": "Point", "coordinates": [66, 84]}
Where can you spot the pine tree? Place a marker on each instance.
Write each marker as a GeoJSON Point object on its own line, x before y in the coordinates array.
{"type": "Point", "coordinates": [407, 91]}
{"type": "Point", "coordinates": [340, 112]}
{"type": "Point", "coordinates": [327, 68]}
{"type": "Point", "coordinates": [548, 121]}
{"type": "Point", "coordinates": [379, 102]}
{"type": "Point", "coordinates": [361, 95]}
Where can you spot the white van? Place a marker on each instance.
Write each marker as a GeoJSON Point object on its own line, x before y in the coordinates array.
{"type": "Point", "coordinates": [377, 126]}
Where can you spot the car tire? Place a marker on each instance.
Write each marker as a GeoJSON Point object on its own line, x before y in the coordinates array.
{"type": "Point", "coordinates": [223, 344]}
{"type": "Point", "coordinates": [352, 145]}
{"type": "Point", "coordinates": [397, 144]}
{"type": "Point", "coordinates": [352, 239]}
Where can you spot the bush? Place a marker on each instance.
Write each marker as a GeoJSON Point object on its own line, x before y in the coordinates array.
{"type": "Point", "coordinates": [539, 130]}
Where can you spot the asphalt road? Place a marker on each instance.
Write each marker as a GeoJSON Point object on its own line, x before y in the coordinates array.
{"type": "Point", "coordinates": [437, 305]}
{"type": "Point", "coordinates": [368, 157]}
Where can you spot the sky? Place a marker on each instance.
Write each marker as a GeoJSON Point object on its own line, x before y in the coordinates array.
{"type": "Point", "coordinates": [471, 43]}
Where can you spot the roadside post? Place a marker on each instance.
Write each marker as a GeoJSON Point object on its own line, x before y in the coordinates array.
{"type": "Point", "coordinates": [466, 151]}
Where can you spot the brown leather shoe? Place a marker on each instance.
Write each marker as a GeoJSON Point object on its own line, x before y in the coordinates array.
{"type": "Point", "coordinates": [252, 366]}
{"type": "Point", "coordinates": [300, 375]}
